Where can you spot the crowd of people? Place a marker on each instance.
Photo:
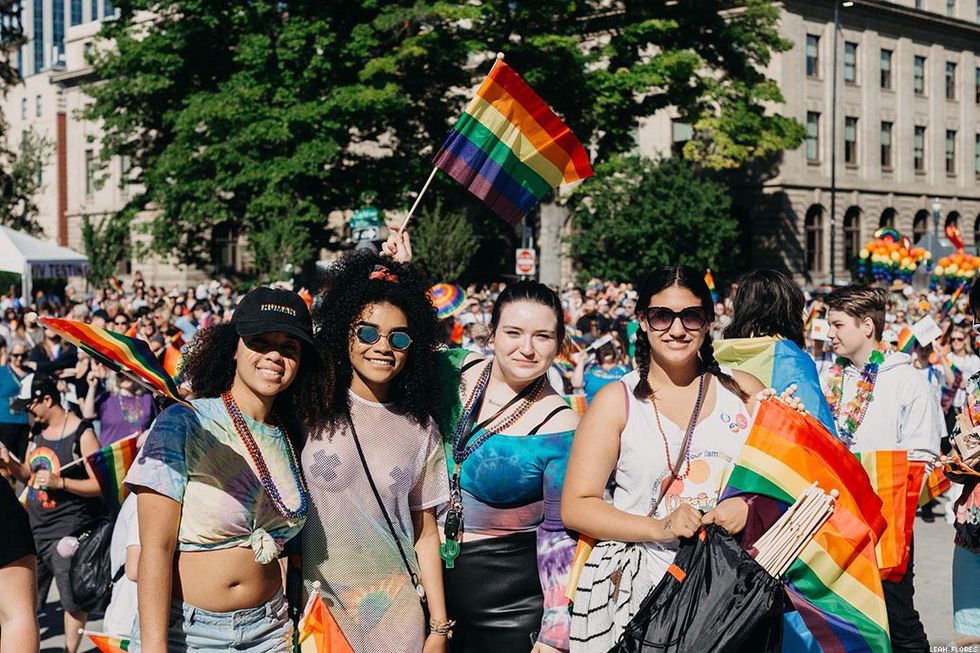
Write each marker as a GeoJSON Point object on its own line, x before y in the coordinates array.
{"type": "Point", "coordinates": [430, 478]}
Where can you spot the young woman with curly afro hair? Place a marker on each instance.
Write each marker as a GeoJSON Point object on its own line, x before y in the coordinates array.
{"type": "Point", "coordinates": [507, 553]}
{"type": "Point", "coordinates": [219, 485]}
{"type": "Point", "coordinates": [378, 471]}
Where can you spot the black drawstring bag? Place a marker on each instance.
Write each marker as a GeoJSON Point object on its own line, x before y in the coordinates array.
{"type": "Point", "coordinates": [715, 597]}
{"type": "Point", "coordinates": [91, 574]}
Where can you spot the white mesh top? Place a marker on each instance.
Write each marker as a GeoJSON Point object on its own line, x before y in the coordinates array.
{"type": "Point", "coordinates": [347, 544]}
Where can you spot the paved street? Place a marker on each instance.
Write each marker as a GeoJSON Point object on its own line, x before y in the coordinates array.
{"type": "Point", "coordinates": [933, 598]}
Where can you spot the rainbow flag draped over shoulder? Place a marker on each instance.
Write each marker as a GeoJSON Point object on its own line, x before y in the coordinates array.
{"type": "Point", "coordinates": [834, 583]}
{"type": "Point", "coordinates": [778, 363]}
{"type": "Point", "coordinates": [108, 643]}
{"type": "Point", "coordinates": [109, 465]}
{"type": "Point", "coordinates": [509, 148]}
{"type": "Point", "coordinates": [898, 481]}
{"type": "Point", "coordinates": [121, 353]}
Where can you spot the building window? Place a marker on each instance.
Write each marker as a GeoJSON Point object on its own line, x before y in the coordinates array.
{"type": "Point", "coordinates": [37, 106]}
{"type": "Point", "coordinates": [886, 145]}
{"type": "Point", "coordinates": [38, 36]}
{"type": "Point", "coordinates": [23, 109]}
{"type": "Point", "coordinates": [951, 8]}
{"type": "Point", "coordinates": [76, 12]}
{"type": "Point", "coordinates": [920, 225]}
{"type": "Point", "coordinates": [812, 136]}
{"type": "Point", "coordinates": [950, 152]}
{"type": "Point", "coordinates": [887, 218]}
{"type": "Point", "coordinates": [95, 10]}
{"type": "Point", "coordinates": [976, 161]}
{"type": "Point", "coordinates": [813, 227]}
{"type": "Point", "coordinates": [680, 133]}
{"type": "Point", "coordinates": [886, 69]}
{"type": "Point", "coordinates": [919, 75]}
{"type": "Point", "coordinates": [225, 247]}
{"type": "Point", "coordinates": [950, 80]}
{"type": "Point", "coordinates": [58, 33]}
{"type": "Point", "coordinates": [918, 4]}
{"type": "Point", "coordinates": [852, 237]}
{"type": "Point", "coordinates": [919, 149]}
{"type": "Point", "coordinates": [850, 62]}
{"type": "Point", "coordinates": [812, 55]}
{"type": "Point", "coordinates": [850, 140]}
{"type": "Point", "coordinates": [976, 85]}
{"type": "Point", "coordinates": [20, 61]}
{"type": "Point", "coordinates": [125, 171]}
{"type": "Point", "coordinates": [89, 172]}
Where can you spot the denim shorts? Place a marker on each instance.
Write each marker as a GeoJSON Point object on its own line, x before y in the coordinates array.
{"type": "Point", "coordinates": [262, 629]}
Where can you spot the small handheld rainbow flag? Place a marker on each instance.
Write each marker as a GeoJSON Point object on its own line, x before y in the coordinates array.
{"type": "Point", "coordinates": [121, 353]}
{"type": "Point", "coordinates": [577, 403]}
{"type": "Point", "coordinates": [951, 302]}
{"type": "Point", "coordinates": [107, 643]}
{"type": "Point", "coordinates": [906, 340]}
{"type": "Point", "coordinates": [318, 632]}
{"type": "Point", "coordinates": [710, 280]}
{"type": "Point", "coordinates": [936, 483]}
{"type": "Point", "coordinates": [109, 465]}
{"type": "Point", "coordinates": [509, 148]}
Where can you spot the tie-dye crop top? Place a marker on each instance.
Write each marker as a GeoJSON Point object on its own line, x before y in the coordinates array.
{"type": "Point", "coordinates": [197, 458]}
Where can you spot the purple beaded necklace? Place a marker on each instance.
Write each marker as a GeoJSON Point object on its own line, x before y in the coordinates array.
{"type": "Point", "coordinates": [265, 477]}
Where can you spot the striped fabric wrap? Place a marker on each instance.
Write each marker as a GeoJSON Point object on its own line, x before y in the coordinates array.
{"type": "Point", "coordinates": [119, 352]}
{"type": "Point", "coordinates": [109, 465]}
{"type": "Point", "coordinates": [834, 582]}
{"type": "Point", "coordinates": [898, 481]}
{"type": "Point", "coordinates": [509, 148]}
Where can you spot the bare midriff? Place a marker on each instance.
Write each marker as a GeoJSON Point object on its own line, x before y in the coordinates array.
{"type": "Point", "coordinates": [224, 580]}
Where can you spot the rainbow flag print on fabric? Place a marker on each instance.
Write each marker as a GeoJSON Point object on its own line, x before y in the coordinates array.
{"type": "Point", "coordinates": [710, 280]}
{"type": "Point", "coordinates": [119, 352]}
{"type": "Point", "coordinates": [318, 632]}
{"type": "Point", "coordinates": [906, 340]}
{"type": "Point", "coordinates": [834, 582]}
{"type": "Point", "coordinates": [936, 484]}
{"type": "Point", "coordinates": [898, 481]}
{"type": "Point", "coordinates": [109, 465]}
{"type": "Point", "coordinates": [108, 643]}
{"type": "Point", "coordinates": [577, 403]}
{"type": "Point", "coordinates": [778, 363]}
{"type": "Point", "coordinates": [509, 148]}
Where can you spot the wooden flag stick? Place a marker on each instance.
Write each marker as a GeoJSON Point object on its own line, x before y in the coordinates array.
{"type": "Point", "coordinates": [810, 522]}
{"type": "Point", "coordinates": [769, 542]}
{"type": "Point", "coordinates": [418, 199]}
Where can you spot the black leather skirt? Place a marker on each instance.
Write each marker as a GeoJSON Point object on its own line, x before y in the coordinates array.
{"type": "Point", "coordinates": [495, 596]}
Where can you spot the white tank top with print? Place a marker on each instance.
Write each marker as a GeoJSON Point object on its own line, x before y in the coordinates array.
{"type": "Point", "coordinates": [642, 470]}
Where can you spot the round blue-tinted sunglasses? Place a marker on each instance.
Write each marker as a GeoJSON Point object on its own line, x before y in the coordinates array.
{"type": "Point", "coordinates": [397, 339]}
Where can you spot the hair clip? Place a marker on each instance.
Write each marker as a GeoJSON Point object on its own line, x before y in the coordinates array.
{"type": "Point", "coordinates": [381, 273]}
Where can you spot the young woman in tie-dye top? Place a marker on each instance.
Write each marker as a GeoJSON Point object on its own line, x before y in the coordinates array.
{"type": "Point", "coordinates": [507, 435]}
{"type": "Point", "coordinates": [219, 485]}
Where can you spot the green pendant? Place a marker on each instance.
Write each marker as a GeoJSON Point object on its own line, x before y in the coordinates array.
{"type": "Point", "coordinates": [877, 358]}
{"type": "Point", "coordinates": [449, 552]}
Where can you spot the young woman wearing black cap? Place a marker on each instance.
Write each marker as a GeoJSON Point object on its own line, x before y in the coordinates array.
{"type": "Point", "coordinates": [220, 487]}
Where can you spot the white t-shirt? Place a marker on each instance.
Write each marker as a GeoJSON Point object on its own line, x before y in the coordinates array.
{"type": "Point", "coordinates": [121, 612]}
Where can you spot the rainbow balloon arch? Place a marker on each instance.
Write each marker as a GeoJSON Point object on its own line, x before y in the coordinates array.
{"type": "Point", "coordinates": [890, 257]}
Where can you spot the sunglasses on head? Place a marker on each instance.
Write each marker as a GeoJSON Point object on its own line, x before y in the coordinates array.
{"type": "Point", "coordinates": [397, 339]}
{"type": "Point", "coordinates": [661, 318]}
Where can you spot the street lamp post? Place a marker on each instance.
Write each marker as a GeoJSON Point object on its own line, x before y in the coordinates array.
{"type": "Point", "coordinates": [937, 207]}
{"type": "Point", "coordinates": [833, 147]}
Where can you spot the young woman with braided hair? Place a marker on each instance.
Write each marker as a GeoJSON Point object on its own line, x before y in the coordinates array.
{"type": "Point", "coordinates": [668, 433]}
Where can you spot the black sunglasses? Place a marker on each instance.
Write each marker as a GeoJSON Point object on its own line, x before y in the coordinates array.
{"type": "Point", "coordinates": [397, 339]}
{"type": "Point", "coordinates": [661, 318]}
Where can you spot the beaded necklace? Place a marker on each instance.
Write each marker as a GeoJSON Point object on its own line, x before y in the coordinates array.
{"type": "Point", "coordinates": [265, 476]}
{"type": "Point", "coordinates": [855, 410]}
{"type": "Point", "coordinates": [464, 446]}
{"type": "Point", "coordinates": [691, 425]}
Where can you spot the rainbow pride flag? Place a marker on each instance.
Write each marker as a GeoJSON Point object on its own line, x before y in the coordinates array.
{"type": "Point", "coordinates": [951, 302]}
{"type": "Point", "coordinates": [898, 481]}
{"type": "Point", "coordinates": [318, 632]}
{"type": "Point", "coordinates": [906, 340]}
{"type": "Point", "coordinates": [936, 483]}
{"type": "Point", "coordinates": [509, 148]}
{"type": "Point", "coordinates": [108, 643]}
{"type": "Point", "coordinates": [109, 465]}
{"type": "Point", "coordinates": [710, 280]}
{"type": "Point", "coordinates": [834, 583]}
{"type": "Point", "coordinates": [577, 403]}
{"type": "Point", "coordinates": [121, 353]}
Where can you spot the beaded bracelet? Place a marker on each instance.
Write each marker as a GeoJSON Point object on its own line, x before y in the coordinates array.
{"type": "Point", "coordinates": [441, 628]}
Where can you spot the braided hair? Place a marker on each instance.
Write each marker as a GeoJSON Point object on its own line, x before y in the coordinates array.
{"type": "Point", "coordinates": [681, 276]}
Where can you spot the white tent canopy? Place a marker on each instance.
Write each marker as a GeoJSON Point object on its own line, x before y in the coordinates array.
{"type": "Point", "coordinates": [34, 258]}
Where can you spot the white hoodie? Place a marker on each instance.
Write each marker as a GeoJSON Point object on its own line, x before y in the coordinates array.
{"type": "Point", "coordinates": [904, 413]}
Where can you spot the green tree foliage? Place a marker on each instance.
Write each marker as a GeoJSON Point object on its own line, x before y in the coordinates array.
{"type": "Point", "coordinates": [20, 180]}
{"type": "Point", "coordinates": [443, 244]}
{"type": "Point", "coordinates": [271, 114]}
{"type": "Point", "coordinates": [638, 214]}
{"type": "Point", "coordinates": [106, 242]}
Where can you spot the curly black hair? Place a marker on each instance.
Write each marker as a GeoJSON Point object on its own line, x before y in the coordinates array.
{"type": "Point", "coordinates": [359, 280]}
{"type": "Point", "coordinates": [208, 365]}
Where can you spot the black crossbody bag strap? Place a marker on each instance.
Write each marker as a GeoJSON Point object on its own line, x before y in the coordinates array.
{"type": "Point", "coordinates": [384, 511]}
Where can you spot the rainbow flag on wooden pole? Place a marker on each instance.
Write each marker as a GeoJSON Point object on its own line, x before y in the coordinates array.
{"type": "Point", "coordinates": [107, 643]}
{"type": "Point", "coordinates": [109, 466]}
{"type": "Point", "coordinates": [509, 148]}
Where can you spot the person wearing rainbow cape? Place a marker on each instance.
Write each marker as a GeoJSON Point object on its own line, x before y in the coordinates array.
{"type": "Point", "coordinates": [881, 403]}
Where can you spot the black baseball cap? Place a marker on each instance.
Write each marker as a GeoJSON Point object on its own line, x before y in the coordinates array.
{"type": "Point", "coordinates": [273, 309]}
{"type": "Point", "coordinates": [35, 387]}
